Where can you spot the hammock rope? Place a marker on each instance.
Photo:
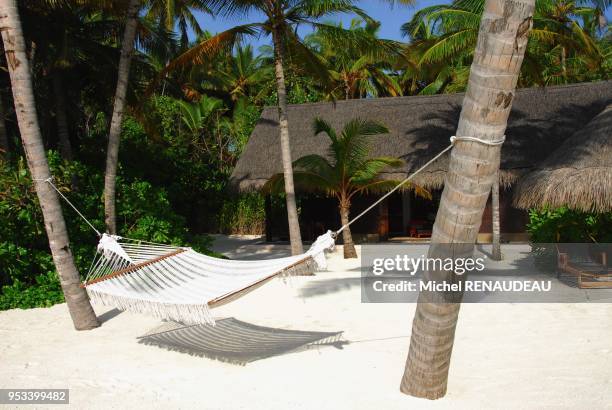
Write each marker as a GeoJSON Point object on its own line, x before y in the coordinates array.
{"type": "Point", "coordinates": [180, 284]}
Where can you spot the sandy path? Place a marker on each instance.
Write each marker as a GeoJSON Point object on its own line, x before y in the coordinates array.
{"type": "Point", "coordinates": [539, 356]}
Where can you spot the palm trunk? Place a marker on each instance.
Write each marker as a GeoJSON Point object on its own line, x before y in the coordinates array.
{"type": "Point", "coordinates": [294, 224]}
{"type": "Point", "coordinates": [347, 238]}
{"type": "Point", "coordinates": [563, 65]}
{"type": "Point", "coordinates": [496, 245]}
{"type": "Point", "coordinates": [65, 147]}
{"type": "Point", "coordinates": [82, 314]}
{"type": "Point", "coordinates": [5, 148]}
{"type": "Point", "coordinates": [112, 155]}
{"type": "Point", "coordinates": [497, 60]}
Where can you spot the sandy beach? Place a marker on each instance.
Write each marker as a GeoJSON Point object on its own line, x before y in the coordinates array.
{"type": "Point", "coordinates": [531, 356]}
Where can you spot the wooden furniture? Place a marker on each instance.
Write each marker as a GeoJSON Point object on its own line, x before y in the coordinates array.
{"type": "Point", "coordinates": [419, 229]}
{"type": "Point", "coordinates": [590, 270]}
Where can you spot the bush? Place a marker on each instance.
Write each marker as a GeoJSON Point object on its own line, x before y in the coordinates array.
{"type": "Point", "coordinates": [243, 215]}
{"type": "Point", "coordinates": [567, 225]}
{"type": "Point", "coordinates": [27, 274]}
{"type": "Point", "coordinates": [45, 292]}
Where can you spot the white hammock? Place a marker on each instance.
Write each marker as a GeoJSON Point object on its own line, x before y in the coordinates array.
{"type": "Point", "coordinates": [179, 284]}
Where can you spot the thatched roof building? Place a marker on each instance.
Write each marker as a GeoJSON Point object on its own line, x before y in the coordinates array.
{"type": "Point", "coordinates": [578, 174]}
{"type": "Point", "coordinates": [420, 126]}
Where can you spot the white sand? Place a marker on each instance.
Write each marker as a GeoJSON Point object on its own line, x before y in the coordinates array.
{"type": "Point", "coordinates": [540, 356]}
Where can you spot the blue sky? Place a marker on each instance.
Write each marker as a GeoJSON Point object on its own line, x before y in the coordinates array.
{"type": "Point", "coordinates": [392, 19]}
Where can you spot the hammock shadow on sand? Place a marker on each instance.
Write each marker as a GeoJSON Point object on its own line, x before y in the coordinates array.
{"type": "Point", "coordinates": [235, 341]}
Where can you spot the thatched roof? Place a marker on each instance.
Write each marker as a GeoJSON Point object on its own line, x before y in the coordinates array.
{"type": "Point", "coordinates": [578, 174]}
{"type": "Point", "coordinates": [420, 126]}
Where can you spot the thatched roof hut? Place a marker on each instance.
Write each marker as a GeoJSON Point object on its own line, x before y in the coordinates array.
{"type": "Point", "coordinates": [420, 126]}
{"type": "Point", "coordinates": [578, 174]}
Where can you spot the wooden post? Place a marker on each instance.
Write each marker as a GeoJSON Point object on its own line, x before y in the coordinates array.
{"type": "Point", "coordinates": [383, 220]}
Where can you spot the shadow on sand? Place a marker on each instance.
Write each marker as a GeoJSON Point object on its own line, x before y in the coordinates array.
{"type": "Point", "coordinates": [235, 341]}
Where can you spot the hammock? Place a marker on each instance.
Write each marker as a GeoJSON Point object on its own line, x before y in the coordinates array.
{"type": "Point", "coordinates": [180, 284]}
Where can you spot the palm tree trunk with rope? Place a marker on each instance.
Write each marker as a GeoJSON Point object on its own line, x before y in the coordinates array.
{"type": "Point", "coordinates": [112, 155]}
{"type": "Point", "coordinates": [347, 238]}
{"type": "Point", "coordinates": [83, 316]}
{"type": "Point", "coordinates": [495, 223]}
{"type": "Point", "coordinates": [499, 53]}
{"type": "Point", "coordinates": [292, 215]}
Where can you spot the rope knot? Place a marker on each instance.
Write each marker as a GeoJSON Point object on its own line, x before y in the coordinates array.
{"type": "Point", "coordinates": [500, 141]}
{"type": "Point", "coordinates": [43, 180]}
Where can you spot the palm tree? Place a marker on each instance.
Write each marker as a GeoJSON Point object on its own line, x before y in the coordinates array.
{"type": "Point", "coordinates": [112, 154]}
{"type": "Point", "coordinates": [282, 19]}
{"type": "Point", "coordinates": [173, 12]}
{"type": "Point", "coordinates": [472, 171]}
{"type": "Point", "coordinates": [563, 35]}
{"type": "Point", "coordinates": [83, 316]}
{"type": "Point", "coordinates": [358, 72]}
{"type": "Point", "coordinates": [201, 119]}
{"type": "Point", "coordinates": [243, 74]}
{"type": "Point", "coordinates": [210, 47]}
{"type": "Point", "coordinates": [350, 171]}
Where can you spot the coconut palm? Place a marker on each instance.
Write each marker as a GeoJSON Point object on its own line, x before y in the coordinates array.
{"type": "Point", "coordinates": [209, 47]}
{"type": "Point", "coordinates": [242, 74]}
{"type": "Point", "coordinates": [201, 119]}
{"type": "Point", "coordinates": [112, 153]}
{"type": "Point", "coordinates": [179, 13]}
{"type": "Point", "coordinates": [83, 316]}
{"type": "Point", "coordinates": [282, 19]}
{"type": "Point", "coordinates": [563, 34]}
{"type": "Point", "coordinates": [245, 74]}
{"type": "Point", "coordinates": [73, 40]}
{"type": "Point", "coordinates": [119, 102]}
{"type": "Point", "coordinates": [348, 171]}
{"type": "Point", "coordinates": [470, 176]}
{"type": "Point", "coordinates": [358, 72]}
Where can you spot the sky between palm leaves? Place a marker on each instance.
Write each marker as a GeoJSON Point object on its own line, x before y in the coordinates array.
{"type": "Point", "coordinates": [392, 19]}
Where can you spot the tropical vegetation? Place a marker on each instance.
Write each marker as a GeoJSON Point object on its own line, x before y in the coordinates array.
{"type": "Point", "coordinates": [149, 113]}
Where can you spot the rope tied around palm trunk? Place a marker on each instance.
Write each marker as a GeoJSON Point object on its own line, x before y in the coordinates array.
{"type": "Point", "coordinates": [50, 182]}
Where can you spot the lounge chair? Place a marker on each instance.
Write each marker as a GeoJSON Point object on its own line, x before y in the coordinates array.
{"type": "Point", "coordinates": [590, 269]}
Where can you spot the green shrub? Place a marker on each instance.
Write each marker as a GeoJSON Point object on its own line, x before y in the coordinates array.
{"type": "Point", "coordinates": [46, 291]}
{"type": "Point", "coordinates": [244, 214]}
{"type": "Point", "coordinates": [567, 225]}
{"type": "Point", "coordinates": [27, 274]}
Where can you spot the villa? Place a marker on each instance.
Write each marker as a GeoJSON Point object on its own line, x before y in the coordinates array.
{"type": "Point", "coordinates": [541, 120]}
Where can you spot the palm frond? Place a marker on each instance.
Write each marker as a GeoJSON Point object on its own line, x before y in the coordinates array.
{"type": "Point", "coordinates": [450, 45]}
{"type": "Point", "coordinates": [370, 168]}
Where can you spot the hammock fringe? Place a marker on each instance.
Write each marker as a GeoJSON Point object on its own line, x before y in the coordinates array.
{"type": "Point", "coordinates": [307, 267]}
{"type": "Point", "coordinates": [189, 314]}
